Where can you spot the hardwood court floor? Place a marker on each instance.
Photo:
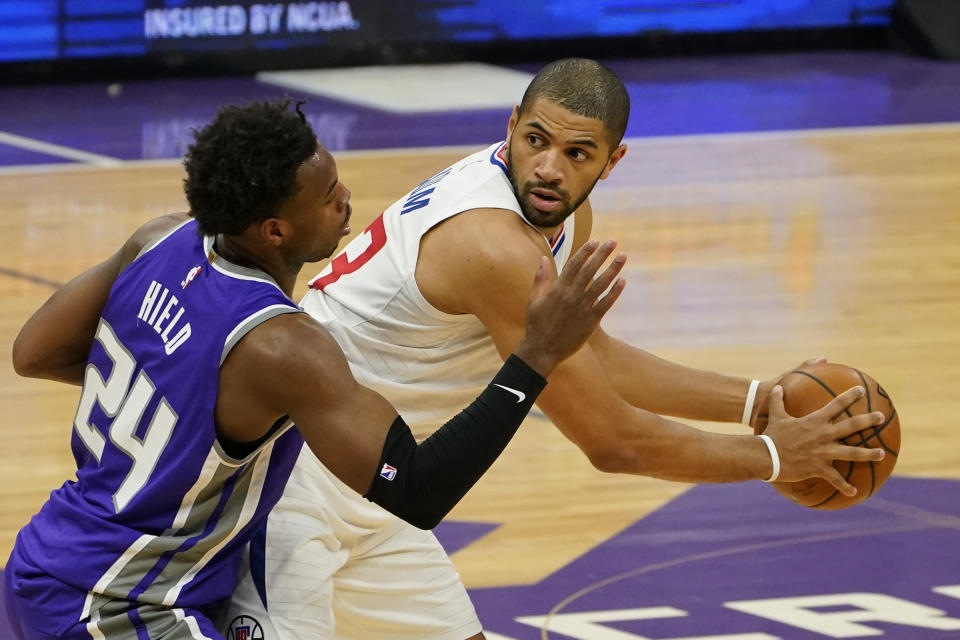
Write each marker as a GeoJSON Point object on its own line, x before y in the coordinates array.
{"type": "Point", "coordinates": [747, 254]}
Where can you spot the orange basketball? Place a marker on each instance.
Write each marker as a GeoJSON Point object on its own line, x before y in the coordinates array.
{"type": "Point", "coordinates": [811, 387]}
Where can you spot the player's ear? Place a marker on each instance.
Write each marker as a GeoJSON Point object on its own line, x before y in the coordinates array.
{"type": "Point", "coordinates": [274, 231]}
{"type": "Point", "coordinates": [615, 157]}
{"type": "Point", "coordinates": [514, 118]}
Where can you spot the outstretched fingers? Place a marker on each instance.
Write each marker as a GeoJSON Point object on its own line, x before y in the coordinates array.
{"type": "Point", "coordinates": [602, 281]}
{"type": "Point", "coordinates": [844, 428]}
{"type": "Point", "coordinates": [581, 273]}
{"type": "Point", "coordinates": [841, 403]}
{"type": "Point", "coordinates": [575, 262]}
{"type": "Point", "coordinates": [856, 454]}
{"type": "Point", "coordinates": [603, 305]}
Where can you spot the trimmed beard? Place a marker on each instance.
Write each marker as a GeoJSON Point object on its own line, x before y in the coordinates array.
{"type": "Point", "coordinates": [534, 216]}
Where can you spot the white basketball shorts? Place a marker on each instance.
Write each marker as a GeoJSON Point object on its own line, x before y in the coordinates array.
{"type": "Point", "coordinates": [333, 565]}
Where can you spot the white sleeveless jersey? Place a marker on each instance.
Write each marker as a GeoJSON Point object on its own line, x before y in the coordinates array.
{"type": "Point", "coordinates": [427, 363]}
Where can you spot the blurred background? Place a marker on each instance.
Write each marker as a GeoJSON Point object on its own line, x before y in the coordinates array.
{"type": "Point", "coordinates": [74, 38]}
{"type": "Point", "coordinates": [791, 190]}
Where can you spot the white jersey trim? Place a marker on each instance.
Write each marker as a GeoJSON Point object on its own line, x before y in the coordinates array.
{"type": "Point", "coordinates": [228, 268]}
{"type": "Point", "coordinates": [250, 504]}
{"type": "Point", "coordinates": [255, 319]}
{"type": "Point", "coordinates": [114, 571]}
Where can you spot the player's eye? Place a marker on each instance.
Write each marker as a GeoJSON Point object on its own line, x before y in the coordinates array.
{"type": "Point", "coordinates": [333, 195]}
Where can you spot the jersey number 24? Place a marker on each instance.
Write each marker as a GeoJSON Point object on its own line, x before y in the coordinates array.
{"type": "Point", "coordinates": [126, 410]}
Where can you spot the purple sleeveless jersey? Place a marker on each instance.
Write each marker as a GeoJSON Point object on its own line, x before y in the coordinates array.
{"type": "Point", "coordinates": [159, 512]}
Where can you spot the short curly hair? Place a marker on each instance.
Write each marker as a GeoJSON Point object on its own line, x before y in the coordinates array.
{"type": "Point", "coordinates": [243, 166]}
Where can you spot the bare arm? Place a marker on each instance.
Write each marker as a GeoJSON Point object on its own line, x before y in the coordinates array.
{"type": "Point", "coordinates": [666, 388]}
{"type": "Point", "coordinates": [55, 342]}
{"type": "Point", "coordinates": [489, 281]}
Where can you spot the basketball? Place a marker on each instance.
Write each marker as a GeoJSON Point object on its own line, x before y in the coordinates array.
{"type": "Point", "coordinates": [811, 387]}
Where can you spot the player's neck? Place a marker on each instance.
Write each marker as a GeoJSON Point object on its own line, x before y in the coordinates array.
{"type": "Point", "coordinates": [551, 233]}
{"type": "Point", "coordinates": [235, 250]}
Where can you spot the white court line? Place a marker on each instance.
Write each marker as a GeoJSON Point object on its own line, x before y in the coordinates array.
{"type": "Point", "coordinates": [60, 151]}
{"type": "Point", "coordinates": [736, 136]}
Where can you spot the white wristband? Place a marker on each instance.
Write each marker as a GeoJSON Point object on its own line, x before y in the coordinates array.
{"type": "Point", "coordinates": [748, 405]}
{"type": "Point", "coordinates": [774, 457]}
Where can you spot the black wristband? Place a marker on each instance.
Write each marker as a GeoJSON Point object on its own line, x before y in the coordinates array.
{"type": "Point", "coordinates": [422, 483]}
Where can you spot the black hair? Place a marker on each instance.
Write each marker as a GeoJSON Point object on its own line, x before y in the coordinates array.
{"type": "Point", "coordinates": [584, 87]}
{"type": "Point", "coordinates": [243, 166]}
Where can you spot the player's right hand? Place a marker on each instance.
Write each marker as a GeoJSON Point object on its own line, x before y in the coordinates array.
{"type": "Point", "coordinates": [808, 445]}
{"type": "Point", "coordinates": [564, 311]}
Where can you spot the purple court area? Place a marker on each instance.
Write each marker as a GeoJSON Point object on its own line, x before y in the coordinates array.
{"type": "Point", "coordinates": [739, 562]}
{"type": "Point", "coordinates": [152, 119]}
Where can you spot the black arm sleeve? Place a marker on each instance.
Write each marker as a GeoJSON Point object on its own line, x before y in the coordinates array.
{"type": "Point", "coordinates": [421, 483]}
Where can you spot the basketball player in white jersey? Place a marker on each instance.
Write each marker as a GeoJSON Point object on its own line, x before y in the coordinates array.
{"type": "Point", "coordinates": [426, 303]}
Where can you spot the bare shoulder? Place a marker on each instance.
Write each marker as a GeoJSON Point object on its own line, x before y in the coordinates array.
{"type": "Point", "coordinates": [153, 229]}
{"type": "Point", "coordinates": [289, 339]}
{"type": "Point", "coordinates": [148, 232]}
{"type": "Point", "coordinates": [287, 351]}
{"type": "Point", "coordinates": [476, 255]}
{"type": "Point", "coordinates": [288, 365]}
{"type": "Point", "coordinates": [494, 231]}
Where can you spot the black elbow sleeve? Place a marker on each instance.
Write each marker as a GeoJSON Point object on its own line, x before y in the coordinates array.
{"type": "Point", "coordinates": [421, 483]}
{"type": "Point", "coordinates": [395, 487]}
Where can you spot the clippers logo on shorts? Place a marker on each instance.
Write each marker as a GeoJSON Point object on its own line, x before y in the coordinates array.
{"type": "Point", "coordinates": [245, 628]}
{"type": "Point", "coordinates": [388, 472]}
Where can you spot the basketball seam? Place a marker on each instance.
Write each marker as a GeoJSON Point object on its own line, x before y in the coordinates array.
{"type": "Point", "coordinates": [822, 384]}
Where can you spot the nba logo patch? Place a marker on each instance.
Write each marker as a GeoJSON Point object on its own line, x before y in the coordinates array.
{"type": "Point", "coordinates": [190, 276]}
{"type": "Point", "coordinates": [388, 472]}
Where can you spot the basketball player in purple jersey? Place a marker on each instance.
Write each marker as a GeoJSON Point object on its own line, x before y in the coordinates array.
{"type": "Point", "coordinates": [428, 302]}
{"type": "Point", "coordinates": [201, 379]}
